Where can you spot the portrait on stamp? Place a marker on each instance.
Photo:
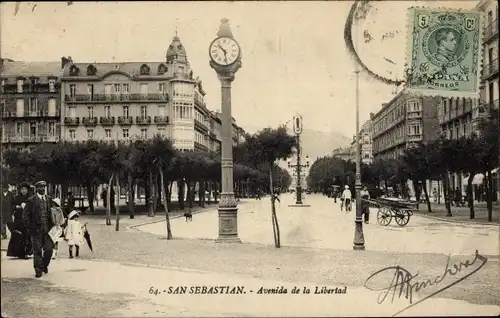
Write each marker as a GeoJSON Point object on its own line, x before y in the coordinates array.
{"type": "Point", "coordinates": [444, 51]}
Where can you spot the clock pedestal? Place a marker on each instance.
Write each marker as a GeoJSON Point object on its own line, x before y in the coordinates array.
{"type": "Point", "coordinates": [228, 210]}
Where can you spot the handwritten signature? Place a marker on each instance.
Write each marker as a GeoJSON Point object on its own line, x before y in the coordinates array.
{"type": "Point", "coordinates": [405, 282]}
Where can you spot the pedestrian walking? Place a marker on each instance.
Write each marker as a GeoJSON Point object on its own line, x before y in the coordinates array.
{"type": "Point", "coordinates": [346, 198]}
{"type": "Point", "coordinates": [7, 209]}
{"type": "Point", "coordinates": [38, 219]}
{"type": "Point", "coordinates": [74, 233]}
{"type": "Point", "coordinates": [20, 242]}
{"type": "Point", "coordinates": [365, 206]}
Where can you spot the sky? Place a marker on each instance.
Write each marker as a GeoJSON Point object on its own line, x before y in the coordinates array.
{"type": "Point", "coordinates": [293, 53]}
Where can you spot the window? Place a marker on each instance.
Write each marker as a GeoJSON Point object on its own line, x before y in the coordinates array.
{"type": "Point", "coordinates": [144, 89]}
{"type": "Point", "coordinates": [32, 129]}
{"type": "Point", "coordinates": [144, 133]}
{"type": "Point", "coordinates": [162, 88]}
{"type": "Point", "coordinates": [107, 89]}
{"type": "Point", "coordinates": [161, 110]}
{"type": "Point", "coordinates": [72, 90]}
{"type": "Point", "coordinates": [117, 89]}
{"type": "Point", "coordinates": [19, 129]}
{"type": "Point", "coordinates": [52, 107]}
{"type": "Point", "coordinates": [490, 17]}
{"type": "Point", "coordinates": [414, 129]}
{"type": "Point", "coordinates": [91, 111]}
{"type": "Point", "coordinates": [161, 131]}
{"type": "Point", "coordinates": [125, 111]}
{"type": "Point", "coordinates": [52, 85]}
{"type": "Point", "coordinates": [126, 89]}
{"type": "Point", "coordinates": [144, 111]}
{"type": "Point", "coordinates": [72, 134]}
{"type": "Point", "coordinates": [90, 133]}
{"type": "Point", "coordinates": [20, 107]}
{"type": "Point", "coordinates": [20, 83]}
{"type": "Point", "coordinates": [51, 129]}
{"type": "Point", "coordinates": [125, 132]}
{"type": "Point", "coordinates": [107, 111]}
{"type": "Point", "coordinates": [72, 112]}
{"type": "Point", "coordinates": [33, 105]}
{"type": "Point", "coordinates": [90, 90]}
{"type": "Point", "coordinates": [107, 133]}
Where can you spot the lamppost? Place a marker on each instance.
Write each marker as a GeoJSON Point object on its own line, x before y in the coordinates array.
{"type": "Point", "coordinates": [359, 239]}
{"type": "Point", "coordinates": [297, 129]}
{"type": "Point", "coordinates": [225, 59]}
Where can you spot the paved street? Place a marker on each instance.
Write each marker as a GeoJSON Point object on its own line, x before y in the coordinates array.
{"type": "Point", "coordinates": [323, 225]}
{"type": "Point", "coordinates": [111, 289]}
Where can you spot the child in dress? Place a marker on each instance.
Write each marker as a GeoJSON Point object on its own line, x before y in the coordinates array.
{"type": "Point", "coordinates": [74, 233]}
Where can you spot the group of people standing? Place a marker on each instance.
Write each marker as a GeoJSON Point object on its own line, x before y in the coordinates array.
{"type": "Point", "coordinates": [30, 218]}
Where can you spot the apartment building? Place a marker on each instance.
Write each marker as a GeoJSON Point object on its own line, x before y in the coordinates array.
{"type": "Point", "coordinates": [403, 122]}
{"type": "Point", "coordinates": [30, 103]}
{"type": "Point", "coordinates": [365, 135]}
{"type": "Point", "coordinates": [342, 153]}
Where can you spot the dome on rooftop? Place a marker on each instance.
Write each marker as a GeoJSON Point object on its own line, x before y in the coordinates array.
{"type": "Point", "coordinates": [176, 51]}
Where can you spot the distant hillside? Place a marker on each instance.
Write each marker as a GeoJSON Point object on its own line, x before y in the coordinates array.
{"type": "Point", "coordinates": [316, 143]}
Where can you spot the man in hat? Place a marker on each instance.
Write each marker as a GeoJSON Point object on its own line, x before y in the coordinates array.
{"type": "Point", "coordinates": [7, 208]}
{"type": "Point", "coordinates": [38, 219]}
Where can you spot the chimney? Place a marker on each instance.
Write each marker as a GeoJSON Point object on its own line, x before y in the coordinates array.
{"type": "Point", "coordinates": [372, 115]}
{"type": "Point", "coordinates": [384, 105]}
{"type": "Point", "coordinates": [65, 60]}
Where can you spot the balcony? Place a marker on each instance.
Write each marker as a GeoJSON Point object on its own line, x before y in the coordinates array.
{"type": "Point", "coordinates": [161, 120]}
{"type": "Point", "coordinates": [71, 121]}
{"type": "Point", "coordinates": [200, 147]}
{"type": "Point", "coordinates": [414, 138]}
{"type": "Point", "coordinates": [89, 121]}
{"type": "Point", "coordinates": [414, 114]}
{"type": "Point", "coordinates": [107, 121]}
{"type": "Point", "coordinates": [109, 98]}
{"type": "Point", "coordinates": [28, 139]}
{"type": "Point", "coordinates": [213, 135]}
{"type": "Point", "coordinates": [198, 124]}
{"type": "Point", "coordinates": [490, 70]}
{"type": "Point", "coordinates": [36, 114]}
{"type": "Point", "coordinates": [125, 120]}
{"type": "Point", "coordinates": [143, 120]}
{"type": "Point", "coordinates": [491, 31]}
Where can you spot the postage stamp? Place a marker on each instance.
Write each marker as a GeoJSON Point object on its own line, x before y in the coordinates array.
{"type": "Point", "coordinates": [444, 52]}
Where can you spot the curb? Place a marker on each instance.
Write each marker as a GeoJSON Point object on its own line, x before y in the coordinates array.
{"type": "Point", "coordinates": [450, 220]}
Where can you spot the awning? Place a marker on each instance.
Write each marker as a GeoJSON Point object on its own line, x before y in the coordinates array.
{"type": "Point", "coordinates": [478, 179]}
{"type": "Point", "coordinates": [494, 171]}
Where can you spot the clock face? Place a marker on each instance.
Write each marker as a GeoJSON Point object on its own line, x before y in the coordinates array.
{"type": "Point", "coordinates": [224, 51]}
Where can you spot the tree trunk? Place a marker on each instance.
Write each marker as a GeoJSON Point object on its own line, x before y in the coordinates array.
{"type": "Point", "coordinates": [108, 200]}
{"type": "Point", "coordinates": [470, 198]}
{"type": "Point", "coordinates": [156, 197]}
{"type": "Point", "coordinates": [151, 209]}
{"type": "Point", "coordinates": [64, 192]}
{"type": "Point", "coordinates": [189, 194]}
{"type": "Point", "coordinates": [131, 197]}
{"type": "Point", "coordinates": [439, 192]}
{"type": "Point", "coordinates": [426, 193]}
{"type": "Point", "coordinates": [169, 195]}
{"type": "Point", "coordinates": [117, 225]}
{"type": "Point", "coordinates": [201, 193]}
{"type": "Point", "coordinates": [489, 195]}
{"type": "Point", "coordinates": [417, 193]}
{"type": "Point", "coordinates": [276, 228]}
{"type": "Point", "coordinates": [165, 204]}
{"type": "Point", "coordinates": [446, 190]}
{"type": "Point", "coordinates": [90, 197]}
{"type": "Point", "coordinates": [180, 195]}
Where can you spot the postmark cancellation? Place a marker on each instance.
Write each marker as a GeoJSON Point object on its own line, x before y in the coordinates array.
{"type": "Point", "coordinates": [444, 52]}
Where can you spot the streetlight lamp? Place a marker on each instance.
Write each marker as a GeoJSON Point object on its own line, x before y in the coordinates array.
{"type": "Point", "coordinates": [359, 239]}
{"type": "Point", "coordinates": [297, 129]}
{"type": "Point", "coordinates": [225, 59]}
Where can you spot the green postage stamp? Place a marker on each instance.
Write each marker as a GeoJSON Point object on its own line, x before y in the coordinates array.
{"type": "Point", "coordinates": [444, 52]}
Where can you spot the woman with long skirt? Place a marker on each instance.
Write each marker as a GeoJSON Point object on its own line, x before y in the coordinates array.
{"type": "Point", "coordinates": [20, 241]}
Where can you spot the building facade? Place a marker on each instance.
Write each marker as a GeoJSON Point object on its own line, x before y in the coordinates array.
{"type": "Point", "coordinates": [365, 135]}
{"type": "Point", "coordinates": [30, 103]}
{"type": "Point", "coordinates": [120, 101]}
{"type": "Point", "coordinates": [342, 153]}
{"type": "Point", "coordinates": [402, 123]}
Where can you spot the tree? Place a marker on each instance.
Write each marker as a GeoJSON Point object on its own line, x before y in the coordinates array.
{"type": "Point", "coordinates": [265, 147]}
{"type": "Point", "coordinates": [417, 165]}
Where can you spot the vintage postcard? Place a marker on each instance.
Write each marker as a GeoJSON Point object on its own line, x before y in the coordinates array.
{"type": "Point", "coordinates": [249, 159]}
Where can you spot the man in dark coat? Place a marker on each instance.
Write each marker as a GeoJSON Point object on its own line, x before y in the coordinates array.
{"type": "Point", "coordinates": [37, 216]}
{"type": "Point", "coordinates": [7, 210]}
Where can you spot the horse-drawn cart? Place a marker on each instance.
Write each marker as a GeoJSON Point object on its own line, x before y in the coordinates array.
{"type": "Point", "coordinates": [388, 209]}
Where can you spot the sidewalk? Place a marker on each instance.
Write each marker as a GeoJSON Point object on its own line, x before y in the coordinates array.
{"type": "Point", "coordinates": [109, 289]}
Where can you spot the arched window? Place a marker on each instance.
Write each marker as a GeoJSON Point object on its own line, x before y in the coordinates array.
{"type": "Point", "coordinates": [91, 70]}
{"type": "Point", "coordinates": [162, 69]}
{"type": "Point", "coordinates": [144, 69]}
{"type": "Point", "coordinates": [74, 71]}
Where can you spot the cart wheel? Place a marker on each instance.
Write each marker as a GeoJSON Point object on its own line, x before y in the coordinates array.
{"type": "Point", "coordinates": [384, 216]}
{"type": "Point", "coordinates": [402, 217]}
